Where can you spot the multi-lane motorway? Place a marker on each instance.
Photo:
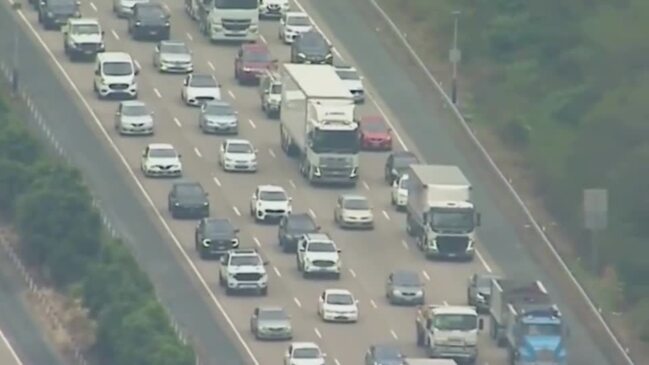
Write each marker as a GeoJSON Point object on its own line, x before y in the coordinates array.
{"type": "Point", "coordinates": [367, 256]}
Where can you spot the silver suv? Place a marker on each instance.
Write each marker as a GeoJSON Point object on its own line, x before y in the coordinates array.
{"type": "Point", "coordinates": [243, 270]}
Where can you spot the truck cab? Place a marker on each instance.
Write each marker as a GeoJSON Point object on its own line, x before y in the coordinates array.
{"type": "Point", "coordinates": [270, 93]}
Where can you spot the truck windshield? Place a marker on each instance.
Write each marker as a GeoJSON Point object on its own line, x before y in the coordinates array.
{"type": "Point", "coordinates": [545, 329]}
{"type": "Point", "coordinates": [460, 220]}
{"type": "Point", "coordinates": [276, 89]}
{"type": "Point", "coordinates": [236, 4]}
{"type": "Point", "coordinates": [455, 322]}
{"type": "Point", "coordinates": [335, 141]}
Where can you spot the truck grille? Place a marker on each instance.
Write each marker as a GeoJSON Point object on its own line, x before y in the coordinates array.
{"type": "Point", "coordinates": [118, 86]}
{"type": "Point", "coordinates": [336, 172]}
{"type": "Point", "coordinates": [451, 244]}
{"type": "Point", "coordinates": [247, 276]}
{"type": "Point", "coordinates": [236, 25]}
{"type": "Point", "coordinates": [323, 263]}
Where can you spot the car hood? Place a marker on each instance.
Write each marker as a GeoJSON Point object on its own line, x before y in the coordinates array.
{"type": "Point", "coordinates": [353, 84]}
{"type": "Point", "coordinates": [175, 57]}
{"type": "Point", "coordinates": [274, 323]}
{"type": "Point", "coordinates": [163, 161]}
{"type": "Point", "coordinates": [241, 156]}
{"type": "Point", "coordinates": [299, 28]}
{"type": "Point", "coordinates": [328, 256]}
{"type": "Point", "coordinates": [357, 213]}
{"type": "Point", "coordinates": [205, 91]}
{"type": "Point", "coordinates": [246, 269]}
{"type": "Point", "coordinates": [137, 119]}
{"type": "Point", "coordinates": [220, 119]}
{"type": "Point", "coordinates": [339, 307]}
{"type": "Point", "coordinates": [86, 38]}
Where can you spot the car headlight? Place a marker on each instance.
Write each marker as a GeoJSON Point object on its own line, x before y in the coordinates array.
{"type": "Point", "coordinates": [167, 24]}
{"type": "Point", "coordinates": [235, 242]}
{"type": "Point", "coordinates": [329, 56]}
{"type": "Point", "coordinates": [206, 243]}
{"type": "Point", "coordinates": [176, 204]}
{"type": "Point", "coordinates": [137, 24]}
{"type": "Point", "coordinates": [316, 171]}
{"type": "Point", "coordinates": [354, 172]}
{"type": "Point", "coordinates": [49, 14]}
{"type": "Point", "coordinates": [246, 69]}
{"type": "Point", "coordinates": [301, 55]}
{"type": "Point", "coordinates": [228, 160]}
{"type": "Point", "coordinates": [205, 204]}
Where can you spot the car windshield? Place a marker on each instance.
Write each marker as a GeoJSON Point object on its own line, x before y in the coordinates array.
{"type": "Point", "coordinates": [236, 4]}
{"type": "Point", "coordinates": [298, 21]}
{"type": "Point", "coordinates": [118, 68]}
{"type": "Point", "coordinates": [301, 225]}
{"type": "Point", "coordinates": [272, 314]}
{"type": "Point", "coordinates": [85, 29]}
{"type": "Point", "coordinates": [306, 353]}
{"type": "Point", "coordinates": [215, 109]}
{"type": "Point", "coordinates": [256, 56]}
{"type": "Point", "coordinates": [203, 81]}
{"type": "Point", "coordinates": [313, 43]}
{"type": "Point", "coordinates": [375, 126]}
{"type": "Point", "coordinates": [340, 299]}
{"type": "Point", "coordinates": [177, 48]}
{"type": "Point", "coordinates": [248, 260]}
{"type": "Point", "coordinates": [134, 110]}
{"type": "Point", "coordinates": [322, 247]}
{"type": "Point", "coordinates": [348, 75]}
{"type": "Point", "coordinates": [403, 184]}
{"type": "Point", "coordinates": [401, 162]}
{"type": "Point", "coordinates": [62, 5]}
{"type": "Point", "coordinates": [276, 89]}
{"type": "Point", "coordinates": [387, 353]}
{"type": "Point", "coordinates": [455, 322]}
{"type": "Point", "coordinates": [405, 278]}
{"type": "Point", "coordinates": [356, 204]}
{"type": "Point", "coordinates": [162, 153]}
{"type": "Point", "coordinates": [190, 190]}
{"type": "Point", "coordinates": [239, 148]}
{"type": "Point", "coordinates": [218, 228]}
{"type": "Point", "coordinates": [273, 196]}
{"type": "Point", "coordinates": [151, 12]}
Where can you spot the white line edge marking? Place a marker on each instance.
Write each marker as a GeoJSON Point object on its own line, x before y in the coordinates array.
{"type": "Point", "coordinates": [231, 94]}
{"type": "Point", "coordinates": [292, 183]}
{"type": "Point", "coordinates": [256, 241]}
{"type": "Point", "coordinates": [211, 65]}
{"type": "Point", "coordinates": [445, 302]}
{"type": "Point", "coordinates": [236, 211]}
{"type": "Point", "coordinates": [394, 334]}
{"type": "Point", "coordinates": [385, 214]}
{"type": "Point", "coordinates": [197, 152]}
{"type": "Point", "coordinates": [189, 36]}
{"type": "Point", "coordinates": [217, 181]}
{"type": "Point", "coordinates": [177, 121]}
{"type": "Point", "coordinates": [312, 213]}
{"type": "Point", "coordinates": [336, 361]}
{"type": "Point", "coordinates": [157, 93]}
{"type": "Point", "coordinates": [252, 124]}
{"type": "Point", "coordinates": [365, 185]}
{"type": "Point", "coordinates": [263, 39]}
{"type": "Point", "coordinates": [114, 33]}
{"type": "Point", "coordinates": [404, 243]}
{"type": "Point", "coordinates": [140, 186]}
{"type": "Point", "coordinates": [93, 6]}
{"type": "Point", "coordinates": [11, 349]}
{"type": "Point", "coordinates": [279, 275]}
{"type": "Point", "coordinates": [297, 302]}
{"type": "Point", "coordinates": [317, 332]}
{"type": "Point", "coordinates": [373, 303]}
{"type": "Point", "coordinates": [426, 276]}
{"type": "Point", "coordinates": [352, 272]}
{"type": "Point", "coordinates": [271, 153]}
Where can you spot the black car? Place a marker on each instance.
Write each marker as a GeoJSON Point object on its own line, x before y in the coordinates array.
{"type": "Point", "coordinates": [54, 13]}
{"type": "Point", "coordinates": [397, 164]}
{"type": "Point", "coordinates": [384, 355]}
{"type": "Point", "coordinates": [311, 47]}
{"type": "Point", "coordinates": [149, 21]}
{"type": "Point", "coordinates": [214, 237]}
{"type": "Point", "coordinates": [188, 199]}
{"type": "Point", "coordinates": [292, 227]}
{"type": "Point", "coordinates": [478, 292]}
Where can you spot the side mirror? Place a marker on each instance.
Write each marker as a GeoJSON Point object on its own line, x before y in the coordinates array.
{"type": "Point", "coordinates": [103, 33]}
{"type": "Point", "coordinates": [179, 155]}
{"type": "Point", "coordinates": [152, 113]}
{"type": "Point", "coordinates": [266, 262]}
{"type": "Point", "coordinates": [97, 73]}
{"type": "Point", "coordinates": [275, 60]}
{"type": "Point", "coordinates": [481, 324]}
{"type": "Point", "coordinates": [143, 154]}
{"type": "Point", "coordinates": [478, 219]}
{"type": "Point", "coordinates": [137, 71]}
{"type": "Point", "coordinates": [256, 150]}
{"type": "Point", "coordinates": [185, 82]}
{"type": "Point", "coordinates": [356, 301]}
{"type": "Point", "coordinates": [301, 249]}
{"type": "Point", "coordinates": [324, 355]}
{"type": "Point", "coordinates": [237, 230]}
{"type": "Point", "coordinates": [390, 130]}
{"type": "Point", "coordinates": [339, 250]}
{"type": "Point", "coordinates": [317, 228]}
{"type": "Point", "coordinates": [290, 199]}
{"type": "Point", "coordinates": [394, 183]}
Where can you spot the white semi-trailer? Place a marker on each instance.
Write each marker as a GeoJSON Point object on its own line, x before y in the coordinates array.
{"type": "Point", "coordinates": [317, 124]}
{"type": "Point", "coordinates": [440, 212]}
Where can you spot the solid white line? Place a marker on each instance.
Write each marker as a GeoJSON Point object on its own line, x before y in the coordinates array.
{"type": "Point", "coordinates": [92, 5]}
{"type": "Point", "coordinates": [157, 93]}
{"type": "Point", "coordinates": [385, 214]}
{"type": "Point", "coordinates": [197, 152]}
{"type": "Point", "coordinates": [426, 276]}
{"type": "Point", "coordinates": [114, 33]}
{"type": "Point", "coordinates": [217, 181]}
{"type": "Point", "coordinates": [12, 351]}
{"type": "Point", "coordinates": [236, 211]}
{"type": "Point", "coordinates": [297, 302]}
{"type": "Point", "coordinates": [137, 64]}
{"type": "Point", "coordinates": [312, 213]}
{"type": "Point", "coordinates": [336, 362]}
{"type": "Point", "coordinates": [271, 153]}
{"type": "Point", "coordinates": [317, 332]}
{"type": "Point", "coordinates": [279, 275]}
{"type": "Point", "coordinates": [211, 65]}
{"type": "Point", "coordinates": [373, 303]}
{"type": "Point", "coordinates": [352, 272]}
{"type": "Point", "coordinates": [177, 121]}
{"type": "Point", "coordinates": [231, 94]}
{"type": "Point", "coordinates": [394, 334]}
{"type": "Point", "coordinates": [405, 244]}
{"type": "Point", "coordinates": [256, 241]}
{"type": "Point", "coordinates": [261, 37]}
{"type": "Point", "coordinates": [252, 124]}
{"type": "Point", "coordinates": [189, 36]}
{"type": "Point", "coordinates": [144, 192]}
{"type": "Point", "coordinates": [483, 261]}
{"type": "Point", "coordinates": [367, 187]}
{"type": "Point", "coordinates": [335, 51]}
{"type": "Point", "coordinates": [292, 183]}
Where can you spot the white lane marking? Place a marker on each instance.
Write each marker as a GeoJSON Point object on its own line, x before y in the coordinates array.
{"type": "Point", "coordinates": [236, 211]}
{"type": "Point", "coordinates": [352, 272]}
{"type": "Point", "coordinates": [367, 187]}
{"type": "Point", "coordinates": [271, 153]}
{"type": "Point", "coordinates": [140, 186]}
{"type": "Point", "coordinates": [445, 302]}
{"type": "Point", "coordinates": [261, 37]}
{"type": "Point", "coordinates": [137, 64]}
{"type": "Point", "coordinates": [217, 181]}
{"type": "Point", "coordinates": [292, 183]}
{"type": "Point", "coordinates": [483, 261]}
{"type": "Point", "coordinates": [252, 124]}
{"type": "Point", "coordinates": [93, 6]}
{"type": "Point", "coordinates": [197, 152]}
{"type": "Point", "coordinates": [373, 303]}
{"type": "Point", "coordinates": [11, 349]}
{"type": "Point", "coordinates": [385, 214]}
{"type": "Point", "coordinates": [189, 36]}
{"type": "Point", "coordinates": [211, 65]}
{"type": "Point", "coordinates": [426, 276]}
{"type": "Point", "coordinates": [177, 121]}
{"type": "Point", "coordinates": [157, 93]}
{"type": "Point", "coordinates": [231, 94]}
{"type": "Point", "coordinates": [394, 334]}
{"type": "Point", "coordinates": [405, 244]}
{"type": "Point", "coordinates": [166, 7]}
{"type": "Point", "coordinates": [336, 361]}
{"type": "Point", "coordinates": [256, 241]}
{"type": "Point", "coordinates": [317, 332]}
{"type": "Point", "coordinates": [279, 275]}
{"type": "Point", "coordinates": [114, 33]}
{"type": "Point", "coordinates": [297, 302]}
{"type": "Point", "coordinates": [312, 213]}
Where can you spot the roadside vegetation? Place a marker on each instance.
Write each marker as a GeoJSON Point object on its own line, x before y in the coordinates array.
{"type": "Point", "coordinates": [62, 238]}
{"type": "Point", "coordinates": [564, 85]}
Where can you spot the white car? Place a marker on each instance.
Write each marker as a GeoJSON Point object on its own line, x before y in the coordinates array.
{"type": "Point", "coordinates": [161, 160]}
{"type": "Point", "coordinates": [270, 202]}
{"type": "Point", "coordinates": [238, 155]}
{"type": "Point", "coordinates": [317, 254]}
{"type": "Point", "coordinates": [272, 8]}
{"type": "Point", "coordinates": [124, 8]}
{"type": "Point", "coordinates": [292, 24]}
{"type": "Point", "coordinates": [199, 88]}
{"type": "Point", "coordinates": [353, 211]}
{"type": "Point", "coordinates": [304, 353]}
{"type": "Point", "coordinates": [133, 118]}
{"type": "Point", "coordinates": [338, 305]}
{"type": "Point", "coordinates": [399, 192]}
{"type": "Point", "coordinates": [354, 82]}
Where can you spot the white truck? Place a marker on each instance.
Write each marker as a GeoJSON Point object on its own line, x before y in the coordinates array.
{"type": "Point", "coordinates": [82, 38]}
{"type": "Point", "coordinates": [317, 124]}
{"type": "Point", "coordinates": [317, 254]}
{"type": "Point", "coordinates": [449, 332]}
{"type": "Point", "coordinates": [226, 20]}
{"type": "Point", "coordinates": [440, 213]}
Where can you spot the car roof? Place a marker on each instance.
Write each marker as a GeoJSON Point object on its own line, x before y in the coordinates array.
{"type": "Point", "coordinates": [89, 21]}
{"type": "Point", "coordinates": [161, 146]}
{"type": "Point", "coordinates": [254, 47]}
{"type": "Point", "coordinates": [223, 222]}
{"type": "Point", "coordinates": [237, 141]}
{"type": "Point", "coordinates": [338, 291]}
{"type": "Point", "coordinates": [271, 188]}
{"type": "Point", "coordinates": [312, 34]}
{"type": "Point", "coordinates": [114, 57]}
{"type": "Point", "coordinates": [132, 103]}
{"type": "Point", "coordinates": [172, 42]}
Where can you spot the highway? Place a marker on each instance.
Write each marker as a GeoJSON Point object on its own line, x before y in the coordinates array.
{"type": "Point", "coordinates": [367, 256]}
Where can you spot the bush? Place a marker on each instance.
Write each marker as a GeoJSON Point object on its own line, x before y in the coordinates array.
{"type": "Point", "coordinates": [62, 237]}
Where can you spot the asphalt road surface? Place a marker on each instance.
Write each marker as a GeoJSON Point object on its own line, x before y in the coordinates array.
{"type": "Point", "coordinates": [367, 256]}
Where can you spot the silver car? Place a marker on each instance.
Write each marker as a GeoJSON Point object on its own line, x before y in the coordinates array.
{"type": "Point", "coordinates": [173, 56]}
{"type": "Point", "coordinates": [133, 118]}
{"type": "Point", "coordinates": [238, 155]}
{"type": "Point", "coordinates": [271, 323]}
{"type": "Point", "coordinates": [405, 287]}
{"type": "Point", "coordinates": [218, 117]}
{"type": "Point", "coordinates": [124, 8]}
{"type": "Point", "coordinates": [353, 211]}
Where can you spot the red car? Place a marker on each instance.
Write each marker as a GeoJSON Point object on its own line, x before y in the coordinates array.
{"type": "Point", "coordinates": [375, 134]}
{"type": "Point", "coordinates": [251, 61]}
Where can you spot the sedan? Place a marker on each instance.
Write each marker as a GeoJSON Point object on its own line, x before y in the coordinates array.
{"type": "Point", "coordinates": [161, 160]}
{"type": "Point", "coordinates": [218, 117]}
{"type": "Point", "coordinates": [188, 199]}
{"type": "Point", "coordinates": [338, 305]}
{"type": "Point", "coordinates": [375, 134]}
{"type": "Point", "coordinates": [404, 287]}
{"type": "Point", "coordinates": [172, 56]}
{"type": "Point", "coordinates": [271, 323]}
{"type": "Point", "coordinates": [384, 355]}
{"type": "Point", "coordinates": [353, 211]}
{"type": "Point", "coordinates": [200, 88]}
{"type": "Point", "coordinates": [238, 155]}
{"type": "Point", "coordinates": [133, 118]}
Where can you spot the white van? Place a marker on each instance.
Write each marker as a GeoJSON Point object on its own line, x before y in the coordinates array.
{"type": "Point", "coordinates": [115, 75]}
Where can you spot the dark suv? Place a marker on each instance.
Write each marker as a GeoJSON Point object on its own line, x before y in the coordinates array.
{"type": "Point", "coordinates": [188, 199]}
{"type": "Point", "coordinates": [311, 47]}
{"type": "Point", "coordinates": [149, 21]}
{"type": "Point", "coordinates": [214, 237]}
{"type": "Point", "coordinates": [292, 227]}
{"type": "Point", "coordinates": [397, 164]}
{"type": "Point", "coordinates": [54, 13]}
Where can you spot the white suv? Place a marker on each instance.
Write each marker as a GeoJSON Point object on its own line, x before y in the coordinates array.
{"type": "Point", "coordinates": [270, 202]}
{"type": "Point", "coordinates": [115, 75]}
{"type": "Point", "coordinates": [292, 24]}
{"type": "Point", "coordinates": [317, 254]}
{"type": "Point", "coordinates": [399, 192]}
{"type": "Point", "coordinates": [243, 270]}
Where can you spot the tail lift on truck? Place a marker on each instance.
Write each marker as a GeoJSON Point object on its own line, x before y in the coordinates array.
{"type": "Point", "coordinates": [525, 320]}
{"type": "Point", "coordinates": [440, 213]}
{"type": "Point", "coordinates": [317, 124]}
